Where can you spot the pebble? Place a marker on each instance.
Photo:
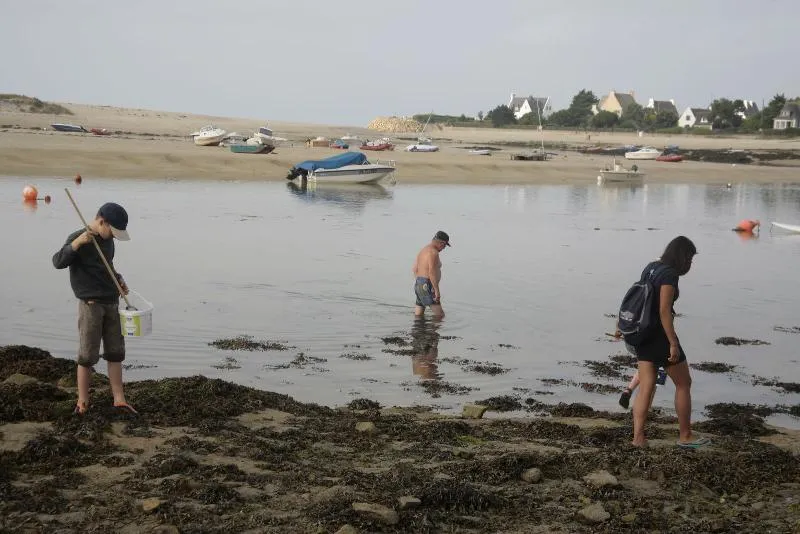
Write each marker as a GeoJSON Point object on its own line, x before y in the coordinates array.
{"type": "Point", "coordinates": [408, 502]}
{"type": "Point", "coordinates": [152, 504]}
{"type": "Point", "coordinates": [593, 514]}
{"type": "Point", "coordinates": [166, 529]}
{"type": "Point", "coordinates": [376, 512]}
{"type": "Point", "coordinates": [19, 379]}
{"type": "Point", "coordinates": [758, 506]}
{"type": "Point", "coordinates": [473, 411]}
{"type": "Point", "coordinates": [366, 427]}
{"type": "Point", "coordinates": [532, 475]}
{"type": "Point", "coordinates": [347, 529]}
{"type": "Point", "coordinates": [629, 518]}
{"type": "Point", "coordinates": [601, 479]}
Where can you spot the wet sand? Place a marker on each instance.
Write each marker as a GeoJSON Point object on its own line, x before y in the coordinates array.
{"type": "Point", "coordinates": [234, 459]}
{"type": "Point", "coordinates": [156, 145]}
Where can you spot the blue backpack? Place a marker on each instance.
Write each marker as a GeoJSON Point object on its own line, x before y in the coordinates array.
{"type": "Point", "coordinates": [635, 318]}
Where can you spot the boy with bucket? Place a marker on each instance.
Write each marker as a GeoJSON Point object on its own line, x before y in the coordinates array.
{"type": "Point", "coordinates": [98, 299]}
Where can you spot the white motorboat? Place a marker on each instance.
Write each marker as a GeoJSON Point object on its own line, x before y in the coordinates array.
{"type": "Point", "coordinates": [618, 173]}
{"type": "Point", "coordinates": [209, 136]}
{"type": "Point", "coordinates": [349, 167]}
{"type": "Point", "coordinates": [647, 152]}
{"type": "Point", "coordinates": [266, 136]}
{"type": "Point", "coordinates": [788, 227]}
{"type": "Point", "coordinates": [480, 152]}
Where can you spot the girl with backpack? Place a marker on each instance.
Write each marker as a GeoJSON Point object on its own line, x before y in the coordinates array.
{"type": "Point", "coordinates": [657, 344]}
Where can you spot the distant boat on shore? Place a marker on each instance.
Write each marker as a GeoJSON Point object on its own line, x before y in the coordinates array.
{"type": "Point", "coordinates": [62, 127]}
{"type": "Point", "coordinates": [209, 136]}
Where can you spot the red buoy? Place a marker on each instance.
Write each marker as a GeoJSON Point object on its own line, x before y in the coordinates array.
{"type": "Point", "coordinates": [30, 193]}
{"type": "Point", "coordinates": [78, 179]}
{"type": "Point", "coordinates": [47, 199]}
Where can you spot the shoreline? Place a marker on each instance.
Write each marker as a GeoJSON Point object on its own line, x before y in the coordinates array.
{"type": "Point", "coordinates": [237, 459]}
{"type": "Point", "coordinates": [156, 146]}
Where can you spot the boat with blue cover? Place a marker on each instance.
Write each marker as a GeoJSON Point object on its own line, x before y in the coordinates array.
{"type": "Point", "coordinates": [349, 167]}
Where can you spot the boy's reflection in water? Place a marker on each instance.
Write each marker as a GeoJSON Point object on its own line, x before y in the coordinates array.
{"type": "Point", "coordinates": [425, 342]}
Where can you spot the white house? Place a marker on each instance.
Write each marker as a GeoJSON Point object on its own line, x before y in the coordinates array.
{"type": "Point", "coordinates": [522, 105]}
{"type": "Point", "coordinates": [750, 109]}
{"type": "Point", "coordinates": [695, 117]}
{"type": "Point", "coordinates": [662, 105]}
{"type": "Point", "coordinates": [789, 117]}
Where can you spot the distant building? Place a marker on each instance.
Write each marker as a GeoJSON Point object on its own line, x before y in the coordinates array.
{"type": "Point", "coordinates": [750, 109]}
{"type": "Point", "coordinates": [695, 118]}
{"type": "Point", "coordinates": [662, 105]}
{"type": "Point", "coordinates": [789, 116]}
{"type": "Point", "coordinates": [522, 105]}
{"type": "Point", "coordinates": [614, 102]}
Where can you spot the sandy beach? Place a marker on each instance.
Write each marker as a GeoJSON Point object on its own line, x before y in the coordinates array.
{"type": "Point", "coordinates": [154, 144]}
{"type": "Point", "coordinates": [236, 459]}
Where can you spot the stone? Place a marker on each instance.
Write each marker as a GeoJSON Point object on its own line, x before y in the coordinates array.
{"type": "Point", "coordinates": [629, 518]}
{"type": "Point", "coordinates": [347, 529]}
{"type": "Point", "coordinates": [376, 512]}
{"type": "Point", "coordinates": [19, 379]}
{"type": "Point", "coordinates": [593, 514]}
{"type": "Point", "coordinates": [249, 493]}
{"type": "Point", "coordinates": [333, 494]}
{"type": "Point", "coordinates": [601, 479]}
{"type": "Point", "coordinates": [473, 411]}
{"type": "Point", "coordinates": [366, 427]}
{"type": "Point", "coordinates": [532, 475]}
{"type": "Point", "coordinates": [408, 502]}
{"type": "Point", "coordinates": [166, 529]}
{"type": "Point", "coordinates": [151, 504]}
{"type": "Point", "coordinates": [758, 506]}
{"type": "Point", "coordinates": [463, 453]}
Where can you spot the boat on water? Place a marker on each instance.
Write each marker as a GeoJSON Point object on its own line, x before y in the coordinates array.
{"type": "Point", "coordinates": [672, 158]}
{"type": "Point", "coordinates": [63, 127]}
{"type": "Point", "coordinates": [349, 167]}
{"type": "Point", "coordinates": [209, 136]}
{"type": "Point", "coordinates": [646, 152]}
{"type": "Point", "coordinates": [794, 228]}
{"type": "Point", "coordinates": [617, 173]}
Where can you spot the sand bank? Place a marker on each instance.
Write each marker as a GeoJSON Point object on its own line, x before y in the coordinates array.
{"type": "Point", "coordinates": [155, 145]}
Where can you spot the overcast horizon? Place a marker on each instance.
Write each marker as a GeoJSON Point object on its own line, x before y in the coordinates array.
{"type": "Point", "coordinates": [346, 63]}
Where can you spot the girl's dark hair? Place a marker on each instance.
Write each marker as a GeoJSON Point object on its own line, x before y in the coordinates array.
{"type": "Point", "coordinates": [679, 253]}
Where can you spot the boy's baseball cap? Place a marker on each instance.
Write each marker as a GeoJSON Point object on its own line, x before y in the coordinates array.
{"type": "Point", "coordinates": [442, 236]}
{"type": "Point", "coordinates": [117, 218]}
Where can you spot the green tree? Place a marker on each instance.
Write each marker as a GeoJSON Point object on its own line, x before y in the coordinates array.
{"type": "Point", "coordinates": [480, 115]}
{"type": "Point", "coordinates": [562, 117]}
{"type": "Point", "coordinates": [634, 115]}
{"type": "Point", "coordinates": [771, 111]}
{"type": "Point", "coordinates": [501, 116]}
{"type": "Point", "coordinates": [724, 113]}
{"type": "Point", "coordinates": [666, 119]}
{"type": "Point", "coordinates": [604, 119]}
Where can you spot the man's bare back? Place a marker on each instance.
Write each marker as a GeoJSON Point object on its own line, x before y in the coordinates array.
{"type": "Point", "coordinates": [428, 272]}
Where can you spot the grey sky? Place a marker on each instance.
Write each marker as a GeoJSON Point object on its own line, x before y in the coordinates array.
{"type": "Point", "coordinates": [347, 61]}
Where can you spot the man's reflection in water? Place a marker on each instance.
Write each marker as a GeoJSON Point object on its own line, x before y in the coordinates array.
{"type": "Point", "coordinates": [425, 342]}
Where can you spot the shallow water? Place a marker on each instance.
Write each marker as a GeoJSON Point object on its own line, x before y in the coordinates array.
{"type": "Point", "coordinates": [535, 267]}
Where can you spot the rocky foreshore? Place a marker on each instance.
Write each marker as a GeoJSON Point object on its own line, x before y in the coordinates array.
{"type": "Point", "coordinates": [211, 456]}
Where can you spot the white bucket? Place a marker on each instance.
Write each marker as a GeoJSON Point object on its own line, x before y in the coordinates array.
{"type": "Point", "coordinates": [138, 322]}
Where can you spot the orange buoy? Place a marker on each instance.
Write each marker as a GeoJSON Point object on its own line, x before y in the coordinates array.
{"type": "Point", "coordinates": [30, 193]}
{"type": "Point", "coordinates": [747, 225]}
{"type": "Point", "coordinates": [30, 204]}
{"type": "Point", "coordinates": [78, 179]}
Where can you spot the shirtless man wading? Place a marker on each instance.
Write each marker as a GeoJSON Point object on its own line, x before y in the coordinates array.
{"type": "Point", "coordinates": [428, 270]}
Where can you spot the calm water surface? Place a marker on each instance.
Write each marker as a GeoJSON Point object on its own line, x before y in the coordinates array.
{"type": "Point", "coordinates": [536, 267]}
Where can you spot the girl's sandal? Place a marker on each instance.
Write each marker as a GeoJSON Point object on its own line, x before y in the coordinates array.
{"type": "Point", "coordinates": [80, 408]}
{"type": "Point", "coordinates": [127, 407]}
